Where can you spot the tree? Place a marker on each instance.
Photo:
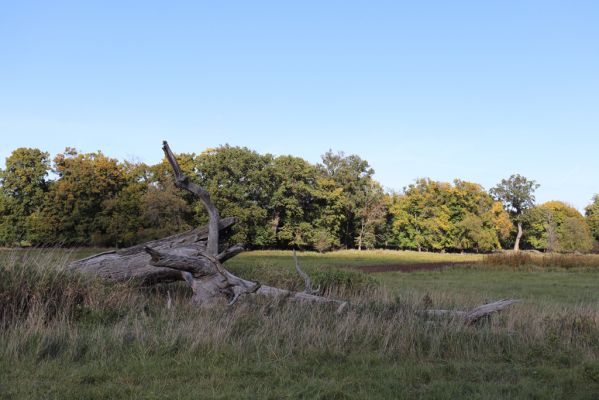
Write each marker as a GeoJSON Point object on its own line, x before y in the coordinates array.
{"type": "Point", "coordinates": [22, 192]}
{"type": "Point", "coordinates": [556, 226]}
{"type": "Point", "coordinates": [329, 217]}
{"type": "Point", "coordinates": [421, 216]}
{"type": "Point", "coordinates": [443, 216]}
{"type": "Point", "coordinates": [592, 216]}
{"type": "Point", "coordinates": [293, 205]}
{"type": "Point", "coordinates": [517, 195]}
{"type": "Point", "coordinates": [75, 200]}
{"type": "Point", "coordinates": [121, 217]}
{"type": "Point", "coordinates": [241, 183]}
{"type": "Point", "coordinates": [371, 214]}
{"type": "Point", "coordinates": [354, 176]}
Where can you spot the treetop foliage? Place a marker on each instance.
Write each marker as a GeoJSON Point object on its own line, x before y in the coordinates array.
{"type": "Point", "coordinates": [516, 193]}
{"type": "Point", "coordinates": [279, 202]}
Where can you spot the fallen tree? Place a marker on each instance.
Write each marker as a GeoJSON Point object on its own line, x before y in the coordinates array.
{"type": "Point", "coordinates": [197, 257]}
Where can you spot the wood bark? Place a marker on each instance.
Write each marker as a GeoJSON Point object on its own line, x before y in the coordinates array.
{"type": "Point", "coordinates": [134, 262]}
{"type": "Point", "coordinates": [518, 237]}
{"type": "Point", "coordinates": [472, 316]}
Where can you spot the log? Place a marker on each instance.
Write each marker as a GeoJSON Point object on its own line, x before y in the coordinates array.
{"type": "Point", "coordinates": [134, 262]}
{"type": "Point", "coordinates": [472, 316]}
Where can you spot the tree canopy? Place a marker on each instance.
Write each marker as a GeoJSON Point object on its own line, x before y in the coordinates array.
{"type": "Point", "coordinates": [279, 202]}
{"type": "Point", "coordinates": [23, 187]}
{"type": "Point", "coordinates": [592, 216]}
{"type": "Point", "coordinates": [517, 195]}
{"type": "Point", "coordinates": [440, 216]}
{"type": "Point", "coordinates": [556, 226]}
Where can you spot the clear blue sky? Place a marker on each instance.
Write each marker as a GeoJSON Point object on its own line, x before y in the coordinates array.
{"type": "Point", "coordinates": [442, 89]}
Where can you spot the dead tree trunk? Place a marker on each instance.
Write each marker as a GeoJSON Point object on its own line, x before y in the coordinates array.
{"type": "Point", "coordinates": [133, 263]}
{"type": "Point", "coordinates": [194, 256]}
{"type": "Point", "coordinates": [472, 316]}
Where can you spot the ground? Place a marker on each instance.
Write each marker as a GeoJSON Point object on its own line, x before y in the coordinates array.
{"type": "Point", "coordinates": [546, 347]}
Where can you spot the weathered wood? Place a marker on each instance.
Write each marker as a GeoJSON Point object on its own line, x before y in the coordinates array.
{"type": "Point", "coordinates": [487, 309]}
{"type": "Point", "coordinates": [184, 182]}
{"type": "Point", "coordinates": [472, 316]}
{"type": "Point", "coordinates": [134, 262]}
{"type": "Point", "coordinates": [305, 276]}
{"type": "Point", "coordinates": [212, 280]}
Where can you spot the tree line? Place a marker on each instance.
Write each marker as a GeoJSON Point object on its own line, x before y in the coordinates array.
{"type": "Point", "coordinates": [86, 199]}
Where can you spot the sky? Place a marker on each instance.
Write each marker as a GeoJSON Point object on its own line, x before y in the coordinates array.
{"type": "Point", "coordinates": [476, 90]}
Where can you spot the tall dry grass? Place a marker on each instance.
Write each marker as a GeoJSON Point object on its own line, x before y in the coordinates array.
{"type": "Point", "coordinates": [48, 312]}
{"type": "Point", "coordinates": [542, 260]}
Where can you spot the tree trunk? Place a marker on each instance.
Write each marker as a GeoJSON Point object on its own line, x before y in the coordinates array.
{"type": "Point", "coordinates": [361, 235]}
{"type": "Point", "coordinates": [518, 237]}
{"type": "Point", "coordinates": [134, 262]}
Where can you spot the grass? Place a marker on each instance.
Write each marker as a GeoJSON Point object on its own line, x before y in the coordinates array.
{"type": "Point", "coordinates": [101, 341]}
{"type": "Point", "coordinates": [350, 258]}
{"type": "Point", "coordinates": [561, 288]}
{"type": "Point", "coordinates": [542, 260]}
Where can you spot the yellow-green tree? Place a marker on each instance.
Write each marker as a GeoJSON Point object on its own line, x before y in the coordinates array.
{"type": "Point", "coordinates": [592, 216]}
{"type": "Point", "coordinates": [23, 187]}
{"type": "Point", "coordinates": [361, 197]}
{"type": "Point", "coordinates": [72, 211]}
{"type": "Point", "coordinates": [517, 195]}
{"type": "Point", "coordinates": [437, 216]}
{"type": "Point", "coordinates": [556, 226]}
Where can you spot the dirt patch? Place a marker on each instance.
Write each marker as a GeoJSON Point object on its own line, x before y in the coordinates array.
{"type": "Point", "coordinates": [409, 267]}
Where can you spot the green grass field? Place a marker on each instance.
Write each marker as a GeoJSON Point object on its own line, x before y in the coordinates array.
{"type": "Point", "coordinates": [557, 287]}
{"type": "Point", "coordinates": [81, 339]}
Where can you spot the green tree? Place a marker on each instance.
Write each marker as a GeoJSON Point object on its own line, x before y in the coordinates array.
{"type": "Point", "coordinates": [556, 226]}
{"type": "Point", "coordinates": [294, 201]}
{"type": "Point", "coordinates": [592, 216]}
{"type": "Point", "coordinates": [329, 217]}
{"type": "Point", "coordinates": [441, 216]}
{"type": "Point", "coordinates": [121, 218]}
{"type": "Point", "coordinates": [354, 176]}
{"type": "Point", "coordinates": [421, 217]}
{"type": "Point", "coordinates": [75, 200]}
{"type": "Point", "coordinates": [23, 189]}
{"type": "Point", "coordinates": [370, 214]}
{"type": "Point", "coordinates": [164, 212]}
{"type": "Point", "coordinates": [240, 182]}
{"type": "Point", "coordinates": [517, 195]}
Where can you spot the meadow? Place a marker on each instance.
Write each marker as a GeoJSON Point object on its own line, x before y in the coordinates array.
{"type": "Point", "coordinates": [64, 336]}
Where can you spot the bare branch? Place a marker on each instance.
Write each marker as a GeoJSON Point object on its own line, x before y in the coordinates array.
{"type": "Point", "coordinates": [230, 252]}
{"type": "Point", "coordinates": [301, 296]}
{"type": "Point", "coordinates": [197, 266]}
{"type": "Point", "coordinates": [184, 182]}
{"type": "Point", "coordinates": [486, 309]}
{"type": "Point", "coordinates": [307, 280]}
{"type": "Point", "coordinates": [472, 316]}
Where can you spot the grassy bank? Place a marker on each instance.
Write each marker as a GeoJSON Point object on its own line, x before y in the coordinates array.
{"type": "Point", "coordinates": [67, 337]}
